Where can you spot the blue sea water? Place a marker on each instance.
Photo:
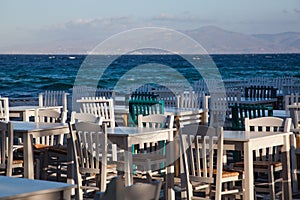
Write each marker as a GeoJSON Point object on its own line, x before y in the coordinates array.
{"type": "Point", "coordinates": [27, 75]}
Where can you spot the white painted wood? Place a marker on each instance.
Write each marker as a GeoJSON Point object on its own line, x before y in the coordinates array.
{"type": "Point", "coordinates": [4, 109]}
{"type": "Point", "coordinates": [24, 189]}
{"type": "Point", "coordinates": [90, 150]}
{"type": "Point", "coordinates": [270, 154]}
{"type": "Point", "coordinates": [200, 146]}
{"type": "Point", "coordinates": [100, 107]}
{"type": "Point", "coordinates": [30, 130]}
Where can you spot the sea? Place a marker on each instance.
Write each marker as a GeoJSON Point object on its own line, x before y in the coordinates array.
{"type": "Point", "coordinates": [27, 75]}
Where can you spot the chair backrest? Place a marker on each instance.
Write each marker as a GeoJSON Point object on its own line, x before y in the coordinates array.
{"type": "Point", "coordinates": [170, 99]}
{"type": "Point", "coordinates": [4, 109]}
{"type": "Point", "coordinates": [188, 99]}
{"type": "Point", "coordinates": [116, 190]}
{"type": "Point", "coordinates": [268, 124]}
{"type": "Point", "coordinates": [54, 98]}
{"type": "Point", "coordinates": [144, 104]}
{"type": "Point", "coordinates": [90, 149]}
{"type": "Point", "coordinates": [6, 147]}
{"type": "Point", "coordinates": [291, 99]}
{"type": "Point", "coordinates": [291, 88]}
{"type": "Point", "coordinates": [260, 92]}
{"type": "Point", "coordinates": [218, 108]}
{"type": "Point", "coordinates": [242, 111]}
{"type": "Point", "coordinates": [156, 121]}
{"type": "Point", "coordinates": [85, 117]}
{"type": "Point", "coordinates": [49, 116]}
{"type": "Point", "coordinates": [100, 107]}
{"type": "Point", "coordinates": [200, 146]}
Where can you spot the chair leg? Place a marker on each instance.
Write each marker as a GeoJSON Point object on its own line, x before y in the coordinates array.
{"type": "Point", "coordinates": [271, 182]}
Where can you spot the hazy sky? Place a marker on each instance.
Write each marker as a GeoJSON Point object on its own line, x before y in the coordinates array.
{"type": "Point", "coordinates": [30, 22]}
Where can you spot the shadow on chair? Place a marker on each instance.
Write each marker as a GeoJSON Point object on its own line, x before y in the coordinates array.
{"type": "Point", "coordinates": [116, 190]}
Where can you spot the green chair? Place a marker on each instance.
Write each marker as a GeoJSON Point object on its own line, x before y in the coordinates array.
{"type": "Point", "coordinates": [260, 92]}
{"type": "Point", "coordinates": [242, 111]}
{"type": "Point", "coordinates": [144, 103]}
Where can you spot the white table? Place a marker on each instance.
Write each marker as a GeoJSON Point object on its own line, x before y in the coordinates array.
{"type": "Point", "coordinates": [24, 189]}
{"type": "Point", "coordinates": [241, 140]}
{"type": "Point", "coordinates": [27, 111]}
{"type": "Point", "coordinates": [125, 137]}
{"type": "Point", "coordinates": [30, 130]}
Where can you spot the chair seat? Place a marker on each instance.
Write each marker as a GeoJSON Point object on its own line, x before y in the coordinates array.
{"type": "Point", "coordinates": [227, 173]}
{"type": "Point", "coordinates": [58, 149]}
{"type": "Point", "coordinates": [37, 149]}
{"type": "Point", "coordinates": [40, 146]}
{"type": "Point", "coordinates": [16, 162]}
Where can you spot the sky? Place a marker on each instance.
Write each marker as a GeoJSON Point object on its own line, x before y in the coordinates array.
{"type": "Point", "coordinates": [29, 25]}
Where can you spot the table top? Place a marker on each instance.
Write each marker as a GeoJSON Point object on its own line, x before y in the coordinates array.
{"type": "Point", "coordinates": [295, 106]}
{"type": "Point", "coordinates": [12, 187]}
{"type": "Point", "coordinates": [36, 126]}
{"type": "Point", "coordinates": [257, 100]}
{"type": "Point", "coordinates": [24, 108]}
{"type": "Point", "coordinates": [131, 131]}
{"type": "Point", "coordinates": [21, 108]}
{"type": "Point", "coordinates": [244, 136]}
{"type": "Point", "coordinates": [179, 111]}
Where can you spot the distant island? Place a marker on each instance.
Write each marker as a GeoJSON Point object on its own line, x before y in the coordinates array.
{"type": "Point", "coordinates": [214, 40]}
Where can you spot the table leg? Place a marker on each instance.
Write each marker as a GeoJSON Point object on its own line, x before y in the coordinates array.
{"type": "Point", "coordinates": [294, 164]}
{"type": "Point", "coordinates": [28, 157]}
{"type": "Point", "coordinates": [286, 174]}
{"type": "Point", "coordinates": [248, 163]}
{"type": "Point", "coordinates": [128, 167]}
{"type": "Point", "coordinates": [169, 192]}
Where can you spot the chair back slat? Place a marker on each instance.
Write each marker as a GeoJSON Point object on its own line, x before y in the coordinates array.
{"type": "Point", "coordinates": [242, 111]}
{"type": "Point", "coordinates": [268, 124]}
{"type": "Point", "coordinates": [100, 107]}
{"type": "Point", "coordinates": [90, 150]}
{"type": "Point", "coordinates": [144, 104]}
{"type": "Point", "coordinates": [4, 109]}
{"type": "Point", "coordinates": [255, 91]}
{"type": "Point", "coordinates": [6, 147]}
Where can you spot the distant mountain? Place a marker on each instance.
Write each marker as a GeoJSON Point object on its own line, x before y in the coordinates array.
{"type": "Point", "coordinates": [217, 40]}
{"type": "Point", "coordinates": [214, 39]}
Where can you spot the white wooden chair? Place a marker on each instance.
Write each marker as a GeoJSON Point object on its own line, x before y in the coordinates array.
{"type": "Point", "coordinates": [188, 99]}
{"type": "Point", "coordinates": [170, 99]}
{"type": "Point", "coordinates": [218, 108]}
{"type": "Point", "coordinates": [90, 149]}
{"type": "Point", "coordinates": [54, 98]}
{"type": "Point", "coordinates": [150, 157]}
{"type": "Point", "coordinates": [198, 103]}
{"type": "Point", "coordinates": [4, 109]}
{"type": "Point", "coordinates": [267, 161]}
{"type": "Point", "coordinates": [100, 107]}
{"type": "Point", "coordinates": [85, 117]}
{"type": "Point", "coordinates": [202, 170]}
{"type": "Point", "coordinates": [50, 150]}
{"type": "Point", "coordinates": [7, 163]}
{"type": "Point", "coordinates": [295, 146]}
